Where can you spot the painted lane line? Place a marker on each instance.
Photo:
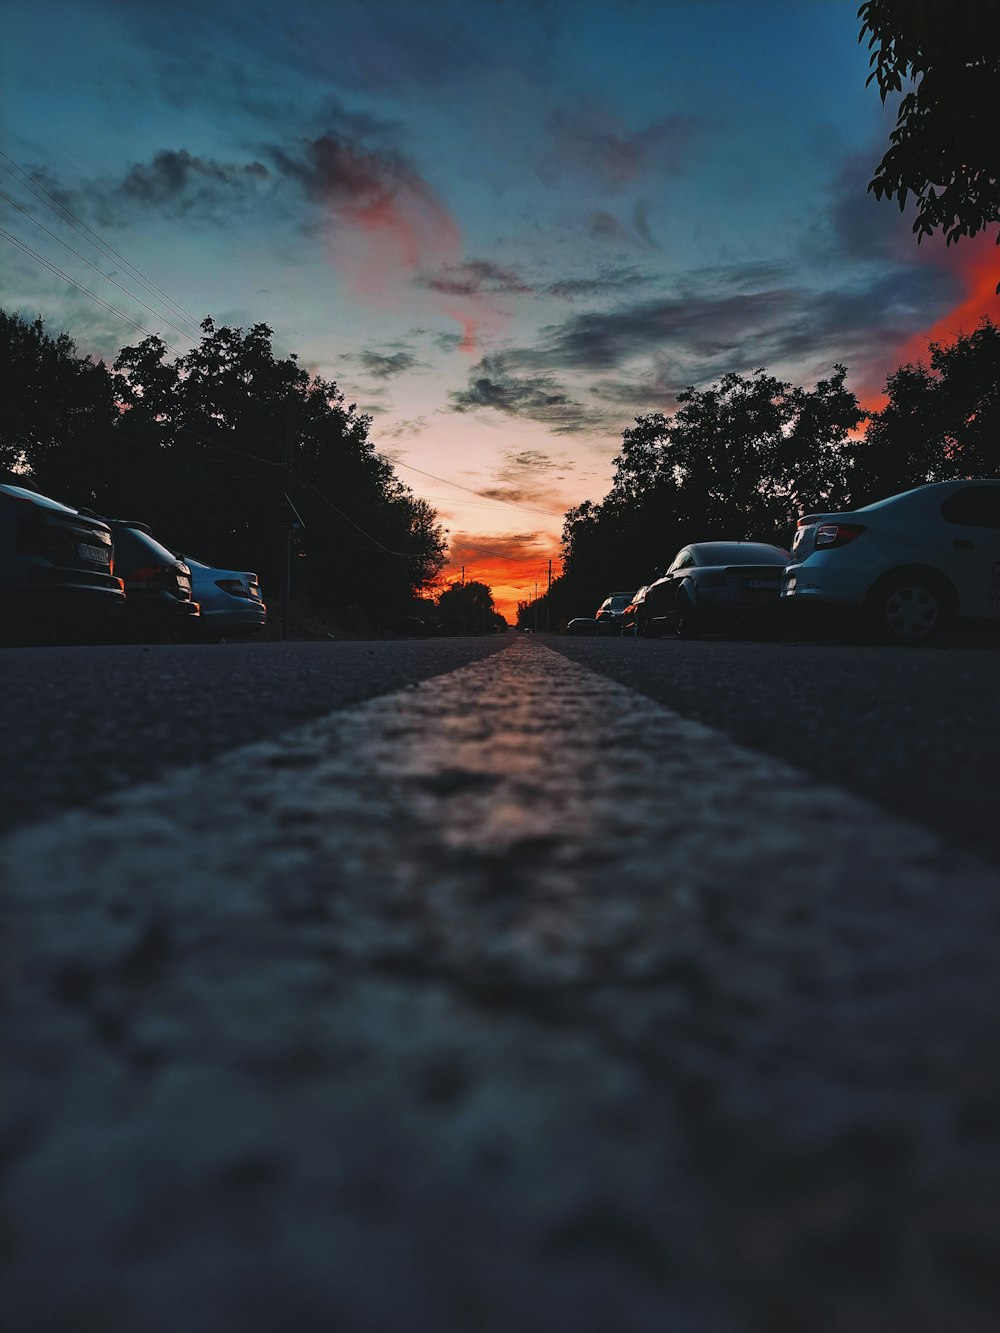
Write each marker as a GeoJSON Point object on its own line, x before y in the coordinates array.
{"type": "Point", "coordinates": [521, 964]}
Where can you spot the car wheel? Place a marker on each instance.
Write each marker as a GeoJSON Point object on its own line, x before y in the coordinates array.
{"type": "Point", "coordinates": [686, 624]}
{"type": "Point", "coordinates": [910, 607]}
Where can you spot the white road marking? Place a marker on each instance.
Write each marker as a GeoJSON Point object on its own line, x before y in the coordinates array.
{"type": "Point", "coordinates": [401, 968]}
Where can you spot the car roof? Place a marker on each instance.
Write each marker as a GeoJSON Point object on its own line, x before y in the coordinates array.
{"type": "Point", "coordinates": [22, 493]}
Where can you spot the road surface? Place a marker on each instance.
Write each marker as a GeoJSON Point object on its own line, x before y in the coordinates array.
{"type": "Point", "coordinates": [510, 998]}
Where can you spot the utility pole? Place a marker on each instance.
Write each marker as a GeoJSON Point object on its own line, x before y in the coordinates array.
{"type": "Point", "coordinates": [536, 606]}
{"type": "Point", "coordinates": [286, 562]}
{"type": "Point", "coordinates": [548, 608]}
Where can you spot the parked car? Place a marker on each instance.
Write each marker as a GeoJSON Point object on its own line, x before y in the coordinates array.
{"type": "Point", "coordinates": [716, 585]}
{"type": "Point", "coordinates": [609, 613]}
{"type": "Point", "coordinates": [230, 600]}
{"type": "Point", "coordinates": [158, 598]}
{"type": "Point", "coordinates": [58, 568]}
{"type": "Point", "coordinates": [907, 565]}
{"type": "Point", "coordinates": [581, 625]}
{"type": "Point", "coordinates": [634, 616]}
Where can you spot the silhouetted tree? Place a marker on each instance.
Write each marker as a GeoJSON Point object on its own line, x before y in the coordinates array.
{"type": "Point", "coordinates": [945, 149]}
{"type": "Point", "coordinates": [197, 447]}
{"type": "Point", "coordinates": [467, 608]}
{"type": "Point", "coordinates": [942, 420]}
{"type": "Point", "coordinates": [58, 410]}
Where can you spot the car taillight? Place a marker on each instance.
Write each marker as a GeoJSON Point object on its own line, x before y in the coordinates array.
{"type": "Point", "coordinates": [829, 535]}
{"type": "Point", "coordinates": [152, 574]}
{"type": "Point", "coordinates": [233, 586]}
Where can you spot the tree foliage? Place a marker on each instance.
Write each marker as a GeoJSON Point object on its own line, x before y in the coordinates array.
{"type": "Point", "coordinates": [945, 149]}
{"type": "Point", "coordinates": [467, 608]}
{"type": "Point", "coordinates": [941, 421]}
{"type": "Point", "coordinates": [204, 448]}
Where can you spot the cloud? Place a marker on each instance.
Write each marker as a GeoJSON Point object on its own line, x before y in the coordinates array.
{"type": "Point", "coordinates": [607, 227]}
{"type": "Point", "coordinates": [408, 428]}
{"type": "Point", "coordinates": [173, 184]}
{"type": "Point", "coordinates": [474, 278]}
{"type": "Point", "coordinates": [600, 284]}
{"type": "Point", "coordinates": [587, 140]}
{"type": "Point", "coordinates": [387, 367]}
{"type": "Point", "coordinates": [386, 220]}
{"type": "Point", "coordinates": [538, 397]}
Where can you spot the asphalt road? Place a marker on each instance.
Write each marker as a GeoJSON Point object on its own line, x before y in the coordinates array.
{"type": "Point", "coordinates": [79, 722]}
{"type": "Point", "coordinates": [917, 731]}
{"type": "Point", "coordinates": [509, 999]}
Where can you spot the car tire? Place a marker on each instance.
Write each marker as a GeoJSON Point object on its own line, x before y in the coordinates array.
{"type": "Point", "coordinates": [910, 607]}
{"type": "Point", "coordinates": [686, 620]}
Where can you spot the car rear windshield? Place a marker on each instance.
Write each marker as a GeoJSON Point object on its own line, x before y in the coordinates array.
{"type": "Point", "coordinates": [134, 545]}
{"type": "Point", "coordinates": [740, 553]}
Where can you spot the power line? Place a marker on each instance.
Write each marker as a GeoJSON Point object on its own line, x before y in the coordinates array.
{"type": "Point", "coordinates": [85, 290]}
{"type": "Point", "coordinates": [549, 513]}
{"type": "Point", "coordinates": [107, 276]}
{"type": "Point", "coordinates": [69, 216]}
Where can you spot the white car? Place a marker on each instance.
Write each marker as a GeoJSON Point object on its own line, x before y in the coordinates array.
{"type": "Point", "coordinates": [908, 564]}
{"type": "Point", "coordinates": [231, 601]}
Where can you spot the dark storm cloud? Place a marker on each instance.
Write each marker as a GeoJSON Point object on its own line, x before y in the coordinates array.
{"type": "Point", "coordinates": [386, 367]}
{"type": "Point", "coordinates": [177, 179]}
{"type": "Point", "coordinates": [474, 278]}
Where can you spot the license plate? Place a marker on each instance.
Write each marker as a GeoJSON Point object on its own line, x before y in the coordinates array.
{"type": "Point", "coordinates": [100, 554]}
{"type": "Point", "coordinates": [183, 582]}
{"type": "Point", "coordinates": [763, 583]}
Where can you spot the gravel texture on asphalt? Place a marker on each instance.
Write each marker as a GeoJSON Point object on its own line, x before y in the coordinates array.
{"type": "Point", "coordinates": [496, 1003]}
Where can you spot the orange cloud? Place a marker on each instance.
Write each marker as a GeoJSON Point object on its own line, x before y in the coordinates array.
{"type": "Point", "coordinates": [976, 263]}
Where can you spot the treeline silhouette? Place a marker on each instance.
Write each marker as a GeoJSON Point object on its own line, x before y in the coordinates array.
{"type": "Point", "coordinates": [744, 458]}
{"type": "Point", "coordinates": [220, 450]}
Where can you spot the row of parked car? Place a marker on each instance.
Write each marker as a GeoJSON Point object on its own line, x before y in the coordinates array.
{"type": "Point", "coordinates": [70, 572]}
{"type": "Point", "coordinates": [905, 567]}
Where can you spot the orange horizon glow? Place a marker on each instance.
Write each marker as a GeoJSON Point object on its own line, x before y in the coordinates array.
{"type": "Point", "coordinates": [511, 579]}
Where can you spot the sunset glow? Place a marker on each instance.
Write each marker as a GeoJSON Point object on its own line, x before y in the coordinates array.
{"type": "Point", "coordinates": [504, 230]}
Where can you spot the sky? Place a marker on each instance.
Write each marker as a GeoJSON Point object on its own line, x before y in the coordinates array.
{"type": "Point", "coordinates": [505, 228]}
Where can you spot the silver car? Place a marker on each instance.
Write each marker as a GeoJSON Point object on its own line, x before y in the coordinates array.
{"type": "Point", "coordinates": [907, 565]}
{"type": "Point", "coordinates": [231, 600]}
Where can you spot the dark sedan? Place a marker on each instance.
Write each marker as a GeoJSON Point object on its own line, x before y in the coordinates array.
{"type": "Point", "coordinates": [158, 598]}
{"type": "Point", "coordinates": [57, 567]}
{"type": "Point", "coordinates": [716, 585]}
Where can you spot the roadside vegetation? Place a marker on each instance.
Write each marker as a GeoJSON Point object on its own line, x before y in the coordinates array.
{"type": "Point", "coordinates": [221, 451]}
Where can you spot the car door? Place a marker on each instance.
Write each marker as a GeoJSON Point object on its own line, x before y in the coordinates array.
{"type": "Point", "coordinates": [972, 547]}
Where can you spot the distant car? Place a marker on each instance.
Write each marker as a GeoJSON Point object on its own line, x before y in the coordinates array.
{"type": "Point", "coordinates": [230, 600]}
{"type": "Point", "coordinates": [158, 599]}
{"type": "Point", "coordinates": [57, 568]}
{"type": "Point", "coordinates": [609, 613]}
{"type": "Point", "coordinates": [907, 565]}
{"type": "Point", "coordinates": [581, 625]}
{"type": "Point", "coordinates": [716, 585]}
{"type": "Point", "coordinates": [634, 616]}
